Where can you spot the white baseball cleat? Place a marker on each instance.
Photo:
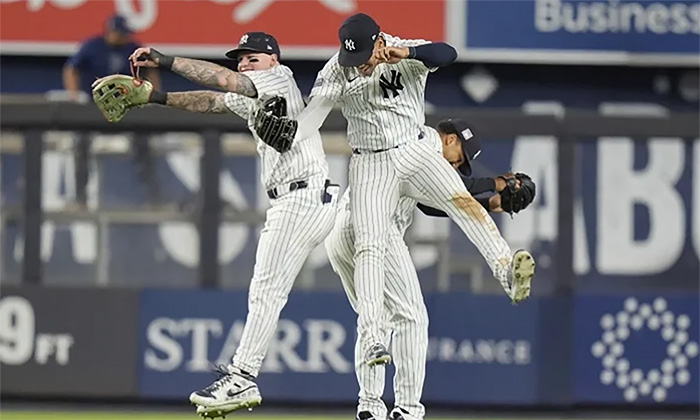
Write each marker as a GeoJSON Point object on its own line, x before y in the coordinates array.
{"type": "Point", "coordinates": [522, 272]}
{"type": "Point", "coordinates": [378, 355]}
{"type": "Point", "coordinates": [233, 391]}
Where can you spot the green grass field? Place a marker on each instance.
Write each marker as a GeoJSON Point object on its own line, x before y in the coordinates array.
{"type": "Point", "coordinates": [128, 415]}
{"type": "Point", "coordinates": [135, 415]}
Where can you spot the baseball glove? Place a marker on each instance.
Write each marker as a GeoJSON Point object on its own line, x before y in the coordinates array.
{"type": "Point", "coordinates": [514, 197]}
{"type": "Point", "coordinates": [273, 126]}
{"type": "Point", "coordinates": [115, 95]}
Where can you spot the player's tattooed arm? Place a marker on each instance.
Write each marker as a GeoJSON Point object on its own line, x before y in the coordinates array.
{"type": "Point", "coordinates": [214, 75]}
{"type": "Point", "coordinates": [198, 71]}
{"type": "Point", "coordinates": [202, 102]}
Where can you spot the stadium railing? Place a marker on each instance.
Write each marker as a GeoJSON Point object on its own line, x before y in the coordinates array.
{"type": "Point", "coordinates": [24, 127]}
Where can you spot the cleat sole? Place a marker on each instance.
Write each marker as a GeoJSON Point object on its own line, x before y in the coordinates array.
{"type": "Point", "coordinates": [383, 360]}
{"type": "Point", "coordinates": [523, 274]}
{"type": "Point", "coordinates": [225, 409]}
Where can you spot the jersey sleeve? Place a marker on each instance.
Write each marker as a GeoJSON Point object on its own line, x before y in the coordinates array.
{"type": "Point", "coordinates": [431, 211]}
{"type": "Point", "coordinates": [479, 185]}
{"type": "Point", "coordinates": [269, 82]}
{"type": "Point", "coordinates": [413, 42]}
{"type": "Point", "coordinates": [329, 81]}
{"type": "Point", "coordinates": [239, 104]}
{"type": "Point", "coordinates": [416, 65]}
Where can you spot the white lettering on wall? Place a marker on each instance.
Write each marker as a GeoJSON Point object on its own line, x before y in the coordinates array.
{"type": "Point", "coordinates": [620, 187]}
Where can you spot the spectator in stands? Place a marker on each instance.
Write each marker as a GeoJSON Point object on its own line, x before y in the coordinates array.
{"type": "Point", "coordinates": [102, 55]}
{"type": "Point", "coordinates": [99, 56]}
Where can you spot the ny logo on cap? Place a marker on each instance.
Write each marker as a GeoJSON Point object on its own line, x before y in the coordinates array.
{"type": "Point", "coordinates": [349, 45]}
{"type": "Point", "coordinates": [244, 39]}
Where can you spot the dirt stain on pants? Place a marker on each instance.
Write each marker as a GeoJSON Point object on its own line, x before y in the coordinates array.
{"type": "Point", "coordinates": [469, 205]}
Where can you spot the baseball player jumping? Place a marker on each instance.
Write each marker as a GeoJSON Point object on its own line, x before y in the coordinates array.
{"type": "Point", "coordinates": [379, 81]}
{"type": "Point", "coordinates": [405, 315]}
{"type": "Point", "coordinates": [303, 202]}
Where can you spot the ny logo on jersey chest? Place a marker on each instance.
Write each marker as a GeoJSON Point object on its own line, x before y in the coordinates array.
{"type": "Point", "coordinates": [391, 83]}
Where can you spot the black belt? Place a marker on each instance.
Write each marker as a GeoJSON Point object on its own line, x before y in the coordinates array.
{"type": "Point", "coordinates": [298, 185]}
{"type": "Point", "coordinates": [361, 151]}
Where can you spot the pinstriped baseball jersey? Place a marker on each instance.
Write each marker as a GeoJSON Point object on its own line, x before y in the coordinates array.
{"type": "Point", "coordinates": [296, 223]}
{"type": "Point", "coordinates": [306, 159]}
{"type": "Point", "coordinates": [385, 113]}
{"type": "Point", "coordinates": [378, 116]}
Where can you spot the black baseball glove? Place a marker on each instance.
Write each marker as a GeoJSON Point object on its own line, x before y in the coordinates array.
{"type": "Point", "coordinates": [516, 196]}
{"type": "Point", "coordinates": [273, 126]}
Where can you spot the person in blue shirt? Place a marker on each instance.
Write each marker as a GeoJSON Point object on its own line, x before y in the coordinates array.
{"type": "Point", "coordinates": [103, 55]}
{"type": "Point", "coordinates": [99, 56]}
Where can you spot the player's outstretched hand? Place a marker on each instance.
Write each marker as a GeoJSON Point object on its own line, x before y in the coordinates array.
{"type": "Point", "coordinates": [146, 57]}
{"type": "Point", "coordinates": [391, 55]}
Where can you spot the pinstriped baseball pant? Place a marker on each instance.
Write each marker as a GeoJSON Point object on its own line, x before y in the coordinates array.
{"type": "Point", "coordinates": [296, 223]}
{"type": "Point", "coordinates": [375, 182]}
{"type": "Point", "coordinates": [405, 320]}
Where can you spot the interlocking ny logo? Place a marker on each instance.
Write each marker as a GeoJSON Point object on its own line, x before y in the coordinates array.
{"type": "Point", "coordinates": [349, 45]}
{"type": "Point", "coordinates": [394, 84]}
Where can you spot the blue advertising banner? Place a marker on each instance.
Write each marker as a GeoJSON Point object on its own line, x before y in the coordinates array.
{"type": "Point", "coordinates": [636, 349]}
{"type": "Point", "coordinates": [482, 349]}
{"type": "Point", "coordinates": [554, 26]}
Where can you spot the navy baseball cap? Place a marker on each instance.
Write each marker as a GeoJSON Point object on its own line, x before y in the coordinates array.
{"type": "Point", "coordinates": [357, 36]}
{"type": "Point", "coordinates": [119, 24]}
{"type": "Point", "coordinates": [259, 42]}
{"type": "Point", "coordinates": [471, 145]}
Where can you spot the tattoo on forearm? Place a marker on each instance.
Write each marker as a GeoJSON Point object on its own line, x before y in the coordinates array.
{"type": "Point", "coordinates": [203, 102]}
{"type": "Point", "coordinates": [214, 75]}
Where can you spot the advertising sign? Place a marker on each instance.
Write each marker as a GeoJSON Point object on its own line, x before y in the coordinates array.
{"type": "Point", "coordinates": [614, 31]}
{"type": "Point", "coordinates": [68, 341]}
{"type": "Point", "coordinates": [482, 349]}
{"type": "Point", "coordinates": [304, 28]}
{"type": "Point", "coordinates": [637, 349]}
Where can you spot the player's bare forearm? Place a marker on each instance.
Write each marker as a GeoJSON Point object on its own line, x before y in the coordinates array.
{"type": "Point", "coordinates": [203, 102]}
{"type": "Point", "coordinates": [215, 76]}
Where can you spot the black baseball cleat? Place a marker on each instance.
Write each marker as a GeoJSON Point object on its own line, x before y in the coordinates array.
{"type": "Point", "coordinates": [365, 415]}
{"type": "Point", "coordinates": [397, 414]}
{"type": "Point", "coordinates": [378, 355]}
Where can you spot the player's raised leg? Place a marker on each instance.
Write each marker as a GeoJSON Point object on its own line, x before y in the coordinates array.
{"type": "Point", "coordinates": [374, 196]}
{"type": "Point", "coordinates": [295, 225]}
{"type": "Point", "coordinates": [433, 176]}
